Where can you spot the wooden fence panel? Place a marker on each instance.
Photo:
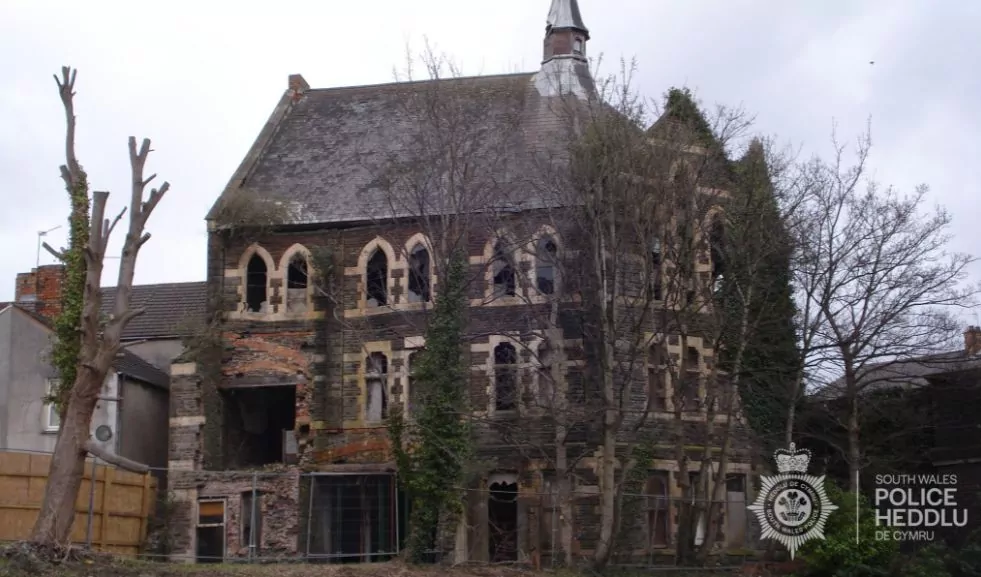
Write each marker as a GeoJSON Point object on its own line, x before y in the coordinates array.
{"type": "Point", "coordinates": [122, 502]}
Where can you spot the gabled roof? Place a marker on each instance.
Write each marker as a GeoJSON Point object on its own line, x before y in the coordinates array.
{"type": "Point", "coordinates": [909, 374]}
{"type": "Point", "coordinates": [169, 307]}
{"type": "Point", "coordinates": [328, 154]}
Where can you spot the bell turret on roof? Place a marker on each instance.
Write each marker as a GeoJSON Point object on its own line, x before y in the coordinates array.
{"type": "Point", "coordinates": [565, 69]}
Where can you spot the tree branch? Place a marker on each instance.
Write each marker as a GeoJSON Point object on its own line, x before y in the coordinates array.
{"type": "Point", "coordinates": [121, 462]}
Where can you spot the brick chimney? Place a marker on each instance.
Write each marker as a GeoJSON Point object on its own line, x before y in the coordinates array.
{"type": "Point", "coordinates": [972, 340]}
{"type": "Point", "coordinates": [40, 289]}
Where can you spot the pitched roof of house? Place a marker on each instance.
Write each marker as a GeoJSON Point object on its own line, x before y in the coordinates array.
{"type": "Point", "coordinates": [127, 362]}
{"type": "Point", "coordinates": [335, 155]}
{"type": "Point", "coordinates": [169, 307]}
{"type": "Point", "coordinates": [909, 374]}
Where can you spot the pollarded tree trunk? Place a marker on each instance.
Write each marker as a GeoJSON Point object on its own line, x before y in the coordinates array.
{"type": "Point", "coordinates": [100, 343]}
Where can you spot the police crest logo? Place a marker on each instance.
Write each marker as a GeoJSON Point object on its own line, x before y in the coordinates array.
{"type": "Point", "coordinates": [792, 507]}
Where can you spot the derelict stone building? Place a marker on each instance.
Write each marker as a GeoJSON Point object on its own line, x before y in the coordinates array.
{"type": "Point", "coordinates": [284, 397]}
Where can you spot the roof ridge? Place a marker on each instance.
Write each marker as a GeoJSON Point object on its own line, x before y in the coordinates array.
{"type": "Point", "coordinates": [424, 81]}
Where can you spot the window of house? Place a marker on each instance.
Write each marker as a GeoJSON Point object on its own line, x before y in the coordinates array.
{"type": "Point", "coordinates": [692, 379]}
{"type": "Point", "coordinates": [578, 46]}
{"type": "Point", "coordinates": [419, 275]}
{"type": "Point", "coordinates": [546, 381]}
{"type": "Point", "coordinates": [505, 377]}
{"type": "Point", "coordinates": [546, 262]}
{"type": "Point", "coordinates": [505, 282]}
{"type": "Point", "coordinates": [376, 379]}
{"type": "Point", "coordinates": [256, 285]}
{"type": "Point", "coordinates": [296, 284]}
{"type": "Point", "coordinates": [252, 522]}
{"type": "Point", "coordinates": [658, 509]}
{"type": "Point", "coordinates": [656, 381]}
{"type": "Point", "coordinates": [52, 420]}
{"type": "Point", "coordinates": [376, 293]}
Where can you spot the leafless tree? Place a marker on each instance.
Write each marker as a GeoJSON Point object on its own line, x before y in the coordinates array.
{"type": "Point", "coordinates": [100, 340]}
{"type": "Point", "coordinates": [874, 266]}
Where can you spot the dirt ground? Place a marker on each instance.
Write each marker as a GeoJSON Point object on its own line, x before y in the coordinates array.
{"type": "Point", "coordinates": [100, 568]}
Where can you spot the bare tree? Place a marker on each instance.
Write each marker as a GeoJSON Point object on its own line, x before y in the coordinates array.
{"type": "Point", "coordinates": [875, 266]}
{"type": "Point", "coordinates": [100, 341]}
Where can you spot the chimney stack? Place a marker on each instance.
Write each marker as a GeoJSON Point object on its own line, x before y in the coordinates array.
{"type": "Point", "coordinates": [297, 85]}
{"type": "Point", "coordinates": [40, 290]}
{"type": "Point", "coordinates": [972, 340]}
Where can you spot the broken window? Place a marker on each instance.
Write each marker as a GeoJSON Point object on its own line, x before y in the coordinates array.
{"type": "Point", "coordinates": [296, 284]}
{"type": "Point", "coordinates": [252, 522]}
{"type": "Point", "coordinates": [717, 252]}
{"type": "Point", "coordinates": [377, 281]}
{"type": "Point", "coordinates": [414, 395]}
{"type": "Point", "coordinates": [256, 285]}
{"type": "Point", "coordinates": [211, 531]}
{"type": "Point", "coordinates": [693, 377]}
{"type": "Point", "coordinates": [657, 283]}
{"type": "Point", "coordinates": [376, 379]}
{"type": "Point", "coordinates": [504, 278]}
{"type": "Point", "coordinates": [546, 381]}
{"type": "Point", "coordinates": [546, 262]}
{"type": "Point", "coordinates": [353, 518]}
{"type": "Point", "coordinates": [656, 381]}
{"type": "Point", "coordinates": [258, 423]}
{"type": "Point", "coordinates": [658, 509]}
{"type": "Point", "coordinates": [419, 276]}
{"type": "Point", "coordinates": [505, 377]}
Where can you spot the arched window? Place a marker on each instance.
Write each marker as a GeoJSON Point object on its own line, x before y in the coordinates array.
{"type": "Point", "coordinates": [419, 275]}
{"type": "Point", "coordinates": [503, 269]}
{"type": "Point", "coordinates": [546, 262]}
{"type": "Point", "coordinates": [505, 377]}
{"type": "Point", "coordinates": [376, 384]}
{"type": "Point", "coordinates": [656, 381]}
{"type": "Point", "coordinates": [546, 380]}
{"type": "Point", "coordinates": [256, 283]}
{"type": "Point", "coordinates": [297, 281]}
{"type": "Point", "coordinates": [376, 291]}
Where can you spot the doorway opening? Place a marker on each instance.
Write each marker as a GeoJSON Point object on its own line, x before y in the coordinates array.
{"type": "Point", "coordinates": [502, 521]}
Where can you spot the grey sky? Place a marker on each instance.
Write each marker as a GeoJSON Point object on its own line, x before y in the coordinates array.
{"type": "Point", "coordinates": [200, 79]}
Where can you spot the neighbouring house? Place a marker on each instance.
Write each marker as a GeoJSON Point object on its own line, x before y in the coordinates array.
{"type": "Point", "coordinates": [134, 403]}
{"type": "Point", "coordinates": [290, 408]}
{"type": "Point", "coordinates": [920, 415]}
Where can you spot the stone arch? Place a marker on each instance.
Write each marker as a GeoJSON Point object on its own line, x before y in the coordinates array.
{"type": "Point", "coordinates": [297, 280]}
{"type": "Point", "coordinates": [368, 254]}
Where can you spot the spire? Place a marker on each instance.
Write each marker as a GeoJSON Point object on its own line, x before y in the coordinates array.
{"type": "Point", "coordinates": [565, 33]}
{"type": "Point", "coordinates": [565, 14]}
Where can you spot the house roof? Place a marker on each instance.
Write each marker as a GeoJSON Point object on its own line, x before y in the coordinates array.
{"type": "Point", "coordinates": [131, 365]}
{"type": "Point", "coordinates": [337, 154]}
{"type": "Point", "coordinates": [169, 307]}
{"type": "Point", "coordinates": [908, 374]}
{"type": "Point", "coordinates": [127, 362]}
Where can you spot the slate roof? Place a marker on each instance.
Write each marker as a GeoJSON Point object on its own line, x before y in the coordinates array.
{"type": "Point", "coordinates": [910, 374]}
{"type": "Point", "coordinates": [131, 365]}
{"type": "Point", "coordinates": [566, 14]}
{"type": "Point", "coordinates": [169, 307]}
{"type": "Point", "coordinates": [328, 154]}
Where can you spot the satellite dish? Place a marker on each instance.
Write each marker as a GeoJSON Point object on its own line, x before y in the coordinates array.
{"type": "Point", "coordinates": [103, 433]}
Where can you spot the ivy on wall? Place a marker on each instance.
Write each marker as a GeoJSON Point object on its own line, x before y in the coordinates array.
{"type": "Point", "coordinates": [433, 449]}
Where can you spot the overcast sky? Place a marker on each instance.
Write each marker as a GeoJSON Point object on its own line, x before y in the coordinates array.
{"type": "Point", "coordinates": [201, 78]}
